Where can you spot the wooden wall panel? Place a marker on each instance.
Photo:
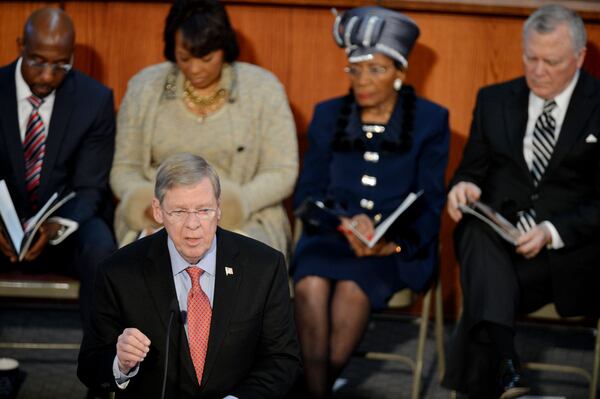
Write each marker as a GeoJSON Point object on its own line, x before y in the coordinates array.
{"type": "Point", "coordinates": [296, 45]}
{"type": "Point", "coordinates": [117, 39]}
{"type": "Point", "coordinates": [457, 53]}
{"type": "Point", "coordinates": [13, 15]}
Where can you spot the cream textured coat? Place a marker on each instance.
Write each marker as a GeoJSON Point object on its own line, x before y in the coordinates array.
{"type": "Point", "coordinates": [263, 169]}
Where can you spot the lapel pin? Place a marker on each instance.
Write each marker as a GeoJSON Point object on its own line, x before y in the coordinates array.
{"type": "Point", "coordinates": [228, 271]}
{"type": "Point", "coordinates": [591, 139]}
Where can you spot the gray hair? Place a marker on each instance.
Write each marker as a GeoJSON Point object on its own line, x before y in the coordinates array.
{"type": "Point", "coordinates": [184, 170]}
{"type": "Point", "coordinates": [547, 18]}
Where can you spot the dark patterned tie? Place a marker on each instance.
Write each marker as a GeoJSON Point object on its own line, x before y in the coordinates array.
{"type": "Point", "coordinates": [543, 143]}
{"type": "Point", "coordinates": [34, 149]}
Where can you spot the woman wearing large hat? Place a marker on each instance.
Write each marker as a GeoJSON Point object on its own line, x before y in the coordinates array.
{"type": "Point", "coordinates": [367, 152]}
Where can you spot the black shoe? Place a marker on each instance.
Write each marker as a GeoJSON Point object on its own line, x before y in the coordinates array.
{"type": "Point", "coordinates": [511, 383]}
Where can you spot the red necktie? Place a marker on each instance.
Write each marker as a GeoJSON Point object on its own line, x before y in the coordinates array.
{"type": "Point", "coordinates": [34, 148]}
{"type": "Point", "coordinates": [198, 317]}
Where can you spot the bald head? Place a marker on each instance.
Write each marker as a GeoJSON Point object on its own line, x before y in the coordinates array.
{"type": "Point", "coordinates": [51, 26]}
{"type": "Point", "coordinates": [47, 49]}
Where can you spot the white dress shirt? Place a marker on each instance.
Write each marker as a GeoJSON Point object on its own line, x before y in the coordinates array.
{"type": "Point", "coordinates": [24, 107]}
{"type": "Point", "coordinates": [536, 106]}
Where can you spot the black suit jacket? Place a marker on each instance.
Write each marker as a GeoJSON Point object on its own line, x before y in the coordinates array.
{"type": "Point", "coordinates": [569, 193]}
{"type": "Point", "coordinates": [252, 350]}
{"type": "Point", "coordinates": [79, 145]}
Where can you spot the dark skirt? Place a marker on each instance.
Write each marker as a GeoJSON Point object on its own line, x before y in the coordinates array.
{"type": "Point", "coordinates": [330, 256]}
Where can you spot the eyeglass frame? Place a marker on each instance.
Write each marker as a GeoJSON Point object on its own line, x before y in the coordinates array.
{"type": "Point", "coordinates": [180, 215]}
{"type": "Point", "coordinates": [60, 67]}
{"type": "Point", "coordinates": [374, 71]}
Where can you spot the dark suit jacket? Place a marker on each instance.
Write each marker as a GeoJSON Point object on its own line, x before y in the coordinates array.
{"type": "Point", "coordinates": [79, 145]}
{"type": "Point", "coordinates": [252, 350]}
{"type": "Point", "coordinates": [569, 193]}
{"type": "Point", "coordinates": [333, 175]}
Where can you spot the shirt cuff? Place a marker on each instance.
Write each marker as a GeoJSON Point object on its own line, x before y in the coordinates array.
{"type": "Point", "coordinates": [230, 397]}
{"type": "Point", "coordinates": [121, 379]}
{"type": "Point", "coordinates": [557, 242]}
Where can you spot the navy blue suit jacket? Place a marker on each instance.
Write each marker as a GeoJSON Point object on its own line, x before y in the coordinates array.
{"type": "Point", "coordinates": [79, 145]}
{"type": "Point", "coordinates": [336, 175]}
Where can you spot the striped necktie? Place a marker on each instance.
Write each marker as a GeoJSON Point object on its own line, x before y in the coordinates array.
{"type": "Point", "coordinates": [199, 314]}
{"type": "Point", "coordinates": [34, 149]}
{"type": "Point", "coordinates": [543, 142]}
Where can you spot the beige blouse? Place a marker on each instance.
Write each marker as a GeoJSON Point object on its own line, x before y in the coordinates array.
{"type": "Point", "coordinates": [251, 141]}
{"type": "Point", "coordinates": [194, 132]}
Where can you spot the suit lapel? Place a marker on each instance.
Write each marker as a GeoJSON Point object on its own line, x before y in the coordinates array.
{"type": "Point", "coordinates": [161, 286]}
{"type": "Point", "coordinates": [159, 276]}
{"type": "Point", "coordinates": [226, 287]}
{"type": "Point", "coordinates": [10, 126]}
{"type": "Point", "coordinates": [160, 283]}
{"type": "Point", "coordinates": [578, 113]}
{"type": "Point", "coordinates": [515, 116]}
{"type": "Point", "coordinates": [64, 103]}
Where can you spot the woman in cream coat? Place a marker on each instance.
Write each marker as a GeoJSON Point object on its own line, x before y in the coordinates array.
{"type": "Point", "coordinates": [234, 114]}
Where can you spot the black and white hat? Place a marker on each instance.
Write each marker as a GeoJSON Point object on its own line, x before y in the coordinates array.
{"type": "Point", "coordinates": [366, 30]}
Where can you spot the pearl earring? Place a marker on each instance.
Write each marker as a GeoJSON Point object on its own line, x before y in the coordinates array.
{"type": "Point", "coordinates": [397, 84]}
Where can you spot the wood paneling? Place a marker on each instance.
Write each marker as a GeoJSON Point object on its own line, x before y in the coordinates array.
{"type": "Point", "coordinates": [457, 53]}
{"type": "Point", "coordinates": [589, 9]}
{"type": "Point", "coordinates": [296, 45]}
{"type": "Point", "coordinates": [117, 39]}
{"type": "Point", "coordinates": [13, 15]}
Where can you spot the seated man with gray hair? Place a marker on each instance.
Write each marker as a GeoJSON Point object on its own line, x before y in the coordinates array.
{"type": "Point", "coordinates": [533, 155]}
{"type": "Point", "coordinates": [221, 297]}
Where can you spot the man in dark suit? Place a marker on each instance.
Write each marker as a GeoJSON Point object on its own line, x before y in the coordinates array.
{"type": "Point", "coordinates": [223, 298]}
{"type": "Point", "coordinates": [57, 131]}
{"type": "Point", "coordinates": [533, 155]}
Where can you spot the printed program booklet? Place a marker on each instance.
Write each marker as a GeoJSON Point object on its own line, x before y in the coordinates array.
{"type": "Point", "coordinates": [387, 222]}
{"type": "Point", "coordinates": [22, 235]}
{"type": "Point", "coordinates": [493, 219]}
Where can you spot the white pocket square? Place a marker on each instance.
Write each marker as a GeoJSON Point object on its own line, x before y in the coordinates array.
{"type": "Point", "coordinates": [591, 139]}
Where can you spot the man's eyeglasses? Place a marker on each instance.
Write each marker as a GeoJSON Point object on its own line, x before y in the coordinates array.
{"type": "Point", "coordinates": [179, 215]}
{"type": "Point", "coordinates": [374, 71]}
{"type": "Point", "coordinates": [41, 66]}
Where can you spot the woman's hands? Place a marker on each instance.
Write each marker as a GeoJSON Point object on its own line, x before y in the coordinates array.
{"type": "Point", "coordinates": [149, 214]}
{"type": "Point", "coordinates": [364, 225]}
{"type": "Point", "coordinates": [153, 226]}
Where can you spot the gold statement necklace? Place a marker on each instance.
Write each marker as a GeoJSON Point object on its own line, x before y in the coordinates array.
{"type": "Point", "coordinates": [203, 106]}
